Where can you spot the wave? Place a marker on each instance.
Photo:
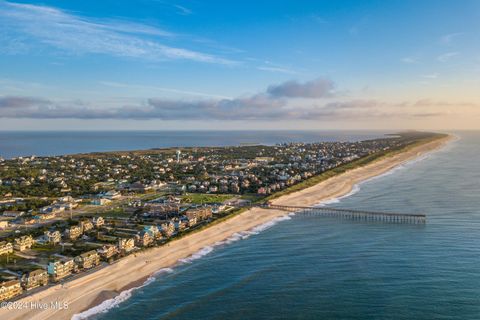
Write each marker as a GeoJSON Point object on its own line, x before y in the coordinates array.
{"type": "Point", "coordinates": [355, 189]}
{"type": "Point", "coordinates": [127, 294]}
{"type": "Point", "coordinates": [115, 301]}
{"type": "Point", "coordinates": [197, 255]}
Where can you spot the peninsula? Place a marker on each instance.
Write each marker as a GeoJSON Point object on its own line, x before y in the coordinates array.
{"type": "Point", "coordinates": [132, 229]}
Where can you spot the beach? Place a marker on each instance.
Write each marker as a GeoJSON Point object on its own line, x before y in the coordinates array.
{"type": "Point", "coordinates": [90, 290]}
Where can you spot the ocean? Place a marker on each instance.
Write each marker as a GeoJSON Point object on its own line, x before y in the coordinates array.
{"type": "Point", "coordinates": [304, 267]}
{"type": "Point", "coordinates": [50, 143]}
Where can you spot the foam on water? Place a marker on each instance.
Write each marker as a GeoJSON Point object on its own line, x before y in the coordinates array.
{"type": "Point", "coordinates": [115, 301]}
{"type": "Point", "coordinates": [127, 294]}
{"type": "Point", "coordinates": [197, 255]}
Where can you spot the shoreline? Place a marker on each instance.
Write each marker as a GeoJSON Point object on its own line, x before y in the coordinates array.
{"type": "Point", "coordinates": [130, 272]}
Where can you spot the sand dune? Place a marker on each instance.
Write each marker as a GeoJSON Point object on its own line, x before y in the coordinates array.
{"type": "Point", "coordinates": [91, 289]}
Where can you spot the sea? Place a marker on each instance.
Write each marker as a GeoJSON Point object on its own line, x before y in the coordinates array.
{"type": "Point", "coordinates": [53, 143]}
{"type": "Point", "coordinates": [305, 267]}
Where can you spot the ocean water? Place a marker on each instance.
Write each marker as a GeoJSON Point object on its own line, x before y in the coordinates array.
{"type": "Point", "coordinates": [301, 267]}
{"type": "Point", "coordinates": [48, 143]}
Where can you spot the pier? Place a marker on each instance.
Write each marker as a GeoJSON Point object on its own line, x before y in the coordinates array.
{"type": "Point", "coordinates": [351, 214]}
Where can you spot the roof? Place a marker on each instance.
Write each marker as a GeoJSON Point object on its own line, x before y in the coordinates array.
{"type": "Point", "coordinates": [36, 272]}
{"type": "Point", "coordinates": [9, 283]}
{"type": "Point", "coordinates": [88, 253]}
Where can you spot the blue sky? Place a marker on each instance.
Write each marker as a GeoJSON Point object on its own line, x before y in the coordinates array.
{"type": "Point", "coordinates": [152, 64]}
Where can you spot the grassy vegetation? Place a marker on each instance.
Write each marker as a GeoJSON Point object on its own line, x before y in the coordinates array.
{"type": "Point", "coordinates": [200, 198]}
{"type": "Point", "coordinates": [16, 263]}
{"type": "Point", "coordinates": [117, 212]}
{"type": "Point", "coordinates": [251, 196]}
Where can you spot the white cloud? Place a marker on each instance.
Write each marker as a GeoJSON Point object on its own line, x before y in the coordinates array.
{"type": "Point", "coordinates": [161, 89]}
{"type": "Point", "coordinates": [276, 69]}
{"type": "Point", "coordinates": [447, 56]}
{"type": "Point", "coordinates": [183, 10]}
{"type": "Point", "coordinates": [430, 76]}
{"type": "Point", "coordinates": [47, 26]}
{"type": "Point", "coordinates": [449, 38]}
{"type": "Point", "coordinates": [409, 60]}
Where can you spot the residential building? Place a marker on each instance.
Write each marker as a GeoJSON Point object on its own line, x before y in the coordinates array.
{"type": "Point", "coordinates": [35, 278]}
{"type": "Point", "coordinates": [4, 224]}
{"type": "Point", "coordinates": [53, 237]}
{"type": "Point", "coordinates": [191, 217]}
{"type": "Point", "coordinates": [86, 225]}
{"type": "Point", "coordinates": [13, 214]}
{"type": "Point", "coordinates": [73, 232]}
{"type": "Point", "coordinates": [144, 239]}
{"type": "Point", "coordinates": [112, 195]}
{"type": "Point", "coordinates": [6, 247]}
{"type": "Point", "coordinates": [23, 243]}
{"type": "Point", "coordinates": [10, 289]}
{"type": "Point", "coordinates": [101, 202]}
{"type": "Point", "coordinates": [180, 225]}
{"type": "Point", "coordinates": [61, 269]}
{"type": "Point", "coordinates": [153, 231]}
{"type": "Point", "coordinates": [126, 244]}
{"type": "Point", "coordinates": [88, 259]}
{"type": "Point", "coordinates": [107, 251]}
{"type": "Point", "coordinates": [98, 222]}
{"type": "Point", "coordinates": [200, 213]}
{"type": "Point", "coordinates": [168, 228]}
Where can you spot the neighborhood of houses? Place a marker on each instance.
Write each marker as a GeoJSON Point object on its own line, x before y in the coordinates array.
{"type": "Point", "coordinates": [64, 215]}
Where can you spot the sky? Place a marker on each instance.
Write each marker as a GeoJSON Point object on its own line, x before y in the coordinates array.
{"type": "Point", "coordinates": [189, 65]}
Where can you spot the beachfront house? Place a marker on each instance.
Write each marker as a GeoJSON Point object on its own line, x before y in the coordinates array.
{"type": "Point", "coordinates": [23, 243]}
{"type": "Point", "coordinates": [126, 244]}
{"type": "Point", "coordinates": [88, 260]}
{"type": "Point", "coordinates": [200, 213]}
{"type": "Point", "coordinates": [60, 269]}
{"type": "Point", "coordinates": [144, 239]}
{"type": "Point", "coordinates": [5, 247]}
{"type": "Point", "coordinates": [168, 228]}
{"type": "Point", "coordinates": [10, 289]}
{"type": "Point", "coordinates": [107, 251]}
{"type": "Point", "coordinates": [180, 224]}
{"type": "Point", "coordinates": [191, 217]}
{"type": "Point", "coordinates": [35, 278]}
{"type": "Point", "coordinates": [153, 231]}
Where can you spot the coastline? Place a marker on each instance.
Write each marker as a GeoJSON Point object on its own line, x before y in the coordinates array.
{"type": "Point", "coordinates": [130, 272]}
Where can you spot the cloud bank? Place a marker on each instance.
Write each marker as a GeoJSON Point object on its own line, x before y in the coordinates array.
{"type": "Point", "coordinates": [291, 100]}
{"type": "Point", "coordinates": [319, 88]}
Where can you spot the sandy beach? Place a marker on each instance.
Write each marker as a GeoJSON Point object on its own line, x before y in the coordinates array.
{"type": "Point", "coordinates": [90, 290]}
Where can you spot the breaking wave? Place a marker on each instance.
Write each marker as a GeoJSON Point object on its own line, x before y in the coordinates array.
{"type": "Point", "coordinates": [115, 301]}
{"type": "Point", "coordinates": [127, 294]}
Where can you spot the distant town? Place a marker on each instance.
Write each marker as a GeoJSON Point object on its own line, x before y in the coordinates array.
{"type": "Point", "coordinates": [63, 216]}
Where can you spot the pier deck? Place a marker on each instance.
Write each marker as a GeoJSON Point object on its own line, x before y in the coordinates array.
{"type": "Point", "coordinates": [352, 214]}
